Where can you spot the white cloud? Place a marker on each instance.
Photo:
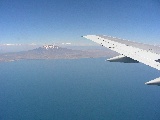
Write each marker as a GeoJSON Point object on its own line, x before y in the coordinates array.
{"type": "Point", "coordinates": [66, 43]}
{"type": "Point", "coordinates": [11, 44]}
{"type": "Point", "coordinates": [32, 44]}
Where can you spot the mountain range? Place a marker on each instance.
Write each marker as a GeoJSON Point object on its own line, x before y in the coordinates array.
{"type": "Point", "coordinates": [53, 52]}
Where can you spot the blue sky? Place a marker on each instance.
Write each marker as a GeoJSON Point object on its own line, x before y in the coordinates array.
{"type": "Point", "coordinates": [56, 21]}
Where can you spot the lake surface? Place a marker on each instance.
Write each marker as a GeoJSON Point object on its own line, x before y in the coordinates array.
{"type": "Point", "coordinates": [82, 89]}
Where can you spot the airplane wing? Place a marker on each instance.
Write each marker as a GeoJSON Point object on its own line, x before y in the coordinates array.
{"type": "Point", "coordinates": [131, 52]}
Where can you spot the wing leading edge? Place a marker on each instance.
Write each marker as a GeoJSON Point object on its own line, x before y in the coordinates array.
{"type": "Point", "coordinates": [147, 54]}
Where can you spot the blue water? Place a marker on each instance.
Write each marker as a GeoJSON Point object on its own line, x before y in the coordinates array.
{"type": "Point", "coordinates": [84, 89]}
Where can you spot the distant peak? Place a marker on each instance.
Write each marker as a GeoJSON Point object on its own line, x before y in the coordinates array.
{"type": "Point", "coordinates": [50, 47]}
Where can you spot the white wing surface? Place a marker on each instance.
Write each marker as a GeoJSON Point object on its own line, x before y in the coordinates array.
{"type": "Point", "coordinates": [131, 51]}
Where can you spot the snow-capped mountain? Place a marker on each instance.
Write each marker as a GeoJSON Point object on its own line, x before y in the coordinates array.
{"type": "Point", "coordinates": [52, 52]}
{"type": "Point", "coordinates": [50, 47]}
